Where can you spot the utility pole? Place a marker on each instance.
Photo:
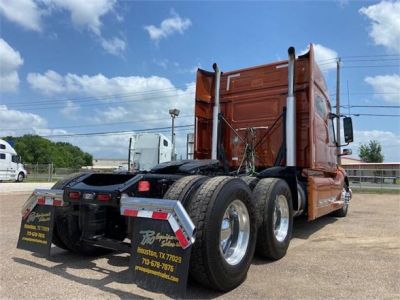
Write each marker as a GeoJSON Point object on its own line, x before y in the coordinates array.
{"type": "Point", "coordinates": [173, 113]}
{"type": "Point", "coordinates": [339, 160]}
{"type": "Point", "coordinates": [173, 138]}
{"type": "Point", "coordinates": [129, 155]}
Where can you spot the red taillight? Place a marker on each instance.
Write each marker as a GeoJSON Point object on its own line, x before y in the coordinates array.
{"type": "Point", "coordinates": [103, 197]}
{"type": "Point", "coordinates": [74, 195]}
{"type": "Point", "coordinates": [144, 186]}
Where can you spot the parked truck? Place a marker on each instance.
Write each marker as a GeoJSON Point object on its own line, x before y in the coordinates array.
{"type": "Point", "coordinates": [148, 150]}
{"type": "Point", "coordinates": [264, 153]}
{"type": "Point", "coordinates": [11, 167]}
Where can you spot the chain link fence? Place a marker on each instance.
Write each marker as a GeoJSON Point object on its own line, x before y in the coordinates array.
{"type": "Point", "coordinates": [374, 179]}
{"type": "Point", "coordinates": [47, 172]}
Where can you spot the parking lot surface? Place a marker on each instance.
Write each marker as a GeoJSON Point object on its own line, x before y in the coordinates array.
{"type": "Point", "coordinates": [23, 187]}
{"type": "Point", "coordinates": [356, 257]}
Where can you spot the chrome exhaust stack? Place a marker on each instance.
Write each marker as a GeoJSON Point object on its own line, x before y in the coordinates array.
{"type": "Point", "coordinates": [291, 112]}
{"type": "Point", "coordinates": [216, 111]}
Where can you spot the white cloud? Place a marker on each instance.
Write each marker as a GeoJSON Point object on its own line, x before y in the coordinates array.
{"type": "Point", "coordinates": [143, 100]}
{"type": "Point", "coordinates": [112, 114]}
{"type": "Point", "coordinates": [49, 83]}
{"type": "Point", "coordinates": [386, 87]}
{"type": "Point", "coordinates": [325, 57]}
{"type": "Point", "coordinates": [12, 121]}
{"type": "Point", "coordinates": [23, 12]}
{"type": "Point", "coordinates": [10, 61]}
{"type": "Point", "coordinates": [70, 109]}
{"type": "Point", "coordinates": [84, 14]}
{"type": "Point", "coordinates": [389, 141]}
{"type": "Point", "coordinates": [168, 27]}
{"type": "Point", "coordinates": [17, 123]}
{"type": "Point", "coordinates": [385, 19]}
{"type": "Point", "coordinates": [114, 45]}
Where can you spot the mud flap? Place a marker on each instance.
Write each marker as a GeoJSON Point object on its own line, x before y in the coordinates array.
{"type": "Point", "coordinates": [36, 231]}
{"type": "Point", "coordinates": [158, 263]}
{"type": "Point", "coordinates": [37, 222]}
{"type": "Point", "coordinates": [161, 244]}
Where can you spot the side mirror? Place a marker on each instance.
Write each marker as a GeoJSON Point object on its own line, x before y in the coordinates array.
{"type": "Point", "coordinates": [346, 152]}
{"type": "Point", "coordinates": [348, 130]}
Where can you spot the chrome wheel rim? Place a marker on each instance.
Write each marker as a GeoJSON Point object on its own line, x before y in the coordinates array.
{"type": "Point", "coordinates": [281, 218]}
{"type": "Point", "coordinates": [235, 232]}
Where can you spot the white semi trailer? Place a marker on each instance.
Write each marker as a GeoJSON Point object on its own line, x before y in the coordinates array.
{"type": "Point", "coordinates": [148, 150]}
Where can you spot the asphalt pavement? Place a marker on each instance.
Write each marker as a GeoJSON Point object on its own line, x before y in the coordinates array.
{"type": "Point", "coordinates": [357, 257]}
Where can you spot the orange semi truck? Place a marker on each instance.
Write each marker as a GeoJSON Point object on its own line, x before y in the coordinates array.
{"type": "Point", "coordinates": [265, 152]}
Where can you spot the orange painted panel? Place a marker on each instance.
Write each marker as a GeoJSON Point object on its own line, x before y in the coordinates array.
{"type": "Point", "coordinates": [324, 194]}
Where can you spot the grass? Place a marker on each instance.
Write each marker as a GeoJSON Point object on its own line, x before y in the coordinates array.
{"type": "Point", "coordinates": [32, 179]}
{"type": "Point", "coordinates": [375, 191]}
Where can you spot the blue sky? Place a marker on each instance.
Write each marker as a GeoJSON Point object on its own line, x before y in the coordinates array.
{"type": "Point", "coordinates": [72, 67]}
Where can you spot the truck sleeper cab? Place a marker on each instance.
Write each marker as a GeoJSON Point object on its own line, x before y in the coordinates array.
{"type": "Point", "coordinates": [264, 152]}
{"type": "Point", "coordinates": [11, 167]}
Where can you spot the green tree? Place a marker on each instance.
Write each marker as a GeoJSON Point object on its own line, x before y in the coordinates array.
{"type": "Point", "coordinates": [35, 149]}
{"type": "Point", "coordinates": [371, 152]}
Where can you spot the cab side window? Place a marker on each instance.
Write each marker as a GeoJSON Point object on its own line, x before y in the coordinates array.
{"type": "Point", "coordinates": [320, 107]}
{"type": "Point", "coordinates": [15, 159]}
{"type": "Point", "coordinates": [165, 143]}
{"type": "Point", "coordinates": [331, 132]}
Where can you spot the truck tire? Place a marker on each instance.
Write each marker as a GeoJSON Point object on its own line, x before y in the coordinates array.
{"type": "Point", "coordinates": [342, 212]}
{"type": "Point", "coordinates": [20, 177]}
{"type": "Point", "coordinates": [66, 233]}
{"type": "Point", "coordinates": [185, 188]}
{"type": "Point", "coordinates": [274, 204]}
{"type": "Point", "coordinates": [250, 181]}
{"type": "Point", "coordinates": [224, 215]}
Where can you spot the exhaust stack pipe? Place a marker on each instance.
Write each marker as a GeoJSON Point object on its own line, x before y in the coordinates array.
{"type": "Point", "coordinates": [216, 111]}
{"type": "Point", "coordinates": [291, 112]}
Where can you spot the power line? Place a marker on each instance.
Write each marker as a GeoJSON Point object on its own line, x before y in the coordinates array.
{"type": "Point", "coordinates": [344, 59]}
{"type": "Point", "coordinates": [368, 106]}
{"type": "Point", "coordinates": [62, 105]}
{"type": "Point", "coordinates": [369, 93]}
{"type": "Point", "coordinates": [372, 66]}
{"type": "Point", "coordinates": [121, 133]}
{"type": "Point", "coordinates": [373, 55]}
{"type": "Point", "coordinates": [113, 132]}
{"type": "Point", "coordinates": [361, 66]}
{"type": "Point", "coordinates": [374, 115]}
{"type": "Point", "coordinates": [100, 97]}
{"type": "Point", "coordinates": [103, 124]}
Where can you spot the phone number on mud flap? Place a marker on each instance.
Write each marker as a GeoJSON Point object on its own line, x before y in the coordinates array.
{"type": "Point", "coordinates": [158, 265]}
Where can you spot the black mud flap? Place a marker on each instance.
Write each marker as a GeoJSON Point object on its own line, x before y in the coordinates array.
{"type": "Point", "coordinates": [158, 263]}
{"type": "Point", "coordinates": [162, 238]}
{"type": "Point", "coordinates": [36, 231]}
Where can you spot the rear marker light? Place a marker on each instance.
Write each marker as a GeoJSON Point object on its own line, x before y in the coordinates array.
{"type": "Point", "coordinates": [103, 197]}
{"type": "Point", "coordinates": [74, 195]}
{"type": "Point", "coordinates": [88, 196]}
{"type": "Point", "coordinates": [144, 186]}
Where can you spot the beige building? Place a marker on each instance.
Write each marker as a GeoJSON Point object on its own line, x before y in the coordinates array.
{"type": "Point", "coordinates": [107, 164]}
{"type": "Point", "coordinates": [357, 170]}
